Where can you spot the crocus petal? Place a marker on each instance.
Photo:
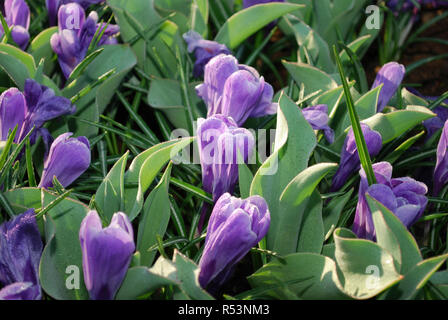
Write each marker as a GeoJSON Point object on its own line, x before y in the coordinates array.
{"type": "Point", "coordinates": [317, 117]}
{"type": "Point", "coordinates": [52, 8]}
{"type": "Point", "coordinates": [12, 112]}
{"type": "Point", "coordinates": [20, 252]}
{"type": "Point", "coordinates": [18, 291]}
{"type": "Point", "coordinates": [235, 226]}
{"type": "Point", "coordinates": [204, 50]}
{"type": "Point", "coordinates": [71, 16]}
{"type": "Point", "coordinates": [17, 13]}
{"type": "Point", "coordinates": [441, 168]}
{"type": "Point", "coordinates": [349, 155]}
{"type": "Point", "coordinates": [390, 75]}
{"type": "Point", "coordinates": [20, 36]}
{"type": "Point", "coordinates": [106, 254]}
{"type": "Point", "coordinates": [67, 160]}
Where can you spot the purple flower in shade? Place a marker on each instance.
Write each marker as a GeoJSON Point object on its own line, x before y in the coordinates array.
{"type": "Point", "coordinates": [441, 169]}
{"type": "Point", "coordinates": [250, 3]}
{"type": "Point", "coordinates": [53, 7]}
{"type": "Point", "coordinates": [219, 141]}
{"type": "Point", "coordinates": [390, 75]}
{"type": "Point", "coordinates": [235, 90]}
{"type": "Point", "coordinates": [75, 34]}
{"type": "Point", "coordinates": [67, 160]}
{"type": "Point", "coordinates": [20, 252]}
{"type": "Point", "coordinates": [405, 197]}
{"type": "Point", "coordinates": [204, 50]}
{"type": "Point", "coordinates": [317, 116]}
{"type": "Point", "coordinates": [408, 5]}
{"type": "Point", "coordinates": [349, 155]}
{"type": "Point", "coordinates": [435, 124]}
{"type": "Point", "coordinates": [17, 16]}
{"type": "Point", "coordinates": [106, 253]}
{"type": "Point", "coordinates": [235, 226]}
{"type": "Point", "coordinates": [37, 105]}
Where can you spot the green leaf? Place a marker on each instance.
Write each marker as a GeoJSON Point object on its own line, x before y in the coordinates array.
{"type": "Point", "coordinates": [416, 278]}
{"type": "Point", "coordinates": [312, 78]}
{"type": "Point", "coordinates": [143, 170]}
{"type": "Point", "coordinates": [40, 48]}
{"type": "Point", "coordinates": [63, 248]}
{"type": "Point", "coordinates": [311, 235]}
{"type": "Point", "coordinates": [109, 196]}
{"type": "Point", "coordinates": [332, 212]}
{"type": "Point", "coordinates": [166, 95]}
{"type": "Point", "coordinates": [155, 219]}
{"type": "Point", "coordinates": [394, 124]}
{"type": "Point", "coordinates": [23, 199]}
{"type": "Point", "coordinates": [199, 17]}
{"type": "Point", "coordinates": [140, 281]}
{"type": "Point", "coordinates": [315, 45]}
{"type": "Point", "coordinates": [294, 142]}
{"type": "Point", "coordinates": [393, 236]}
{"type": "Point", "coordinates": [246, 22]}
{"type": "Point", "coordinates": [366, 268]}
{"type": "Point", "coordinates": [284, 234]}
{"type": "Point", "coordinates": [306, 275]}
{"type": "Point", "coordinates": [331, 98]}
{"type": "Point", "coordinates": [187, 274]}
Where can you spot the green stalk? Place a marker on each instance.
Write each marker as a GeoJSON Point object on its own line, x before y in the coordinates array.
{"type": "Point", "coordinates": [361, 145]}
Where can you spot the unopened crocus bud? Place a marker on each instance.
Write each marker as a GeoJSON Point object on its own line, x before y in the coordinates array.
{"type": "Point", "coordinates": [317, 117]}
{"type": "Point", "coordinates": [441, 169]}
{"type": "Point", "coordinates": [235, 90]}
{"type": "Point", "coordinates": [390, 75]}
{"type": "Point", "coordinates": [405, 197]}
{"type": "Point", "coordinates": [20, 253]}
{"type": "Point", "coordinates": [67, 160]}
{"type": "Point", "coordinates": [54, 5]}
{"type": "Point", "coordinates": [12, 112]}
{"type": "Point", "coordinates": [75, 34]}
{"type": "Point", "coordinates": [349, 155]}
{"type": "Point", "coordinates": [219, 141]}
{"type": "Point", "coordinates": [235, 226]}
{"type": "Point", "coordinates": [204, 50]}
{"type": "Point", "coordinates": [106, 254]}
{"type": "Point", "coordinates": [17, 17]}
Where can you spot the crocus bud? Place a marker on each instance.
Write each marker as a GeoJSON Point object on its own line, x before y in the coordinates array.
{"type": "Point", "coordinates": [349, 155]}
{"type": "Point", "coordinates": [53, 7]}
{"type": "Point", "coordinates": [20, 252]}
{"type": "Point", "coordinates": [441, 169]}
{"type": "Point", "coordinates": [235, 90]}
{"type": "Point", "coordinates": [17, 16]}
{"type": "Point", "coordinates": [204, 50]}
{"type": "Point", "coordinates": [219, 141]}
{"type": "Point", "coordinates": [106, 254]}
{"type": "Point", "coordinates": [390, 75]}
{"type": "Point", "coordinates": [405, 197]}
{"type": "Point", "coordinates": [75, 34]}
{"type": "Point", "coordinates": [317, 117]}
{"type": "Point", "coordinates": [235, 226]}
{"type": "Point", "coordinates": [67, 160]}
{"type": "Point", "coordinates": [12, 112]}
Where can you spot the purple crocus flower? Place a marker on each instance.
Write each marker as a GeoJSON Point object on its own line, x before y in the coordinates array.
{"type": "Point", "coordinates": [349, 155]}
{"type": "Point", "coordinates": [53, 7]}
{"type": "Point", "coordinates": [235, 226]}
{"type": "Point", "coordinates": [390, 75]}
{"type": "Point", "coordinates": [17, 16]}
{"type": "Point", "coordinates": [67, 160]}
{"type": "Point", "coordinates": [37, 105]}
{"type": "Point", "coordinates": [204, 50]}
{"type": "Point", "coordinates": [250, 3]}
{"type": "Point", "coordinates": [106, 253]}
{"type": "Point", "coordinates": [20, 252]}
{"type": "Point", "coordinates": [317, 116]}
{"type": "Point", "coordinates": [235, 90]}
{"type": "Point", "coordinates": [75, 34]}
{"type": "Point", "coordinates": [405, 197]}
{"type": "Point", "coordinates": [441, 169]}
{"type": "Point", "coordinates": [219, 141]}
